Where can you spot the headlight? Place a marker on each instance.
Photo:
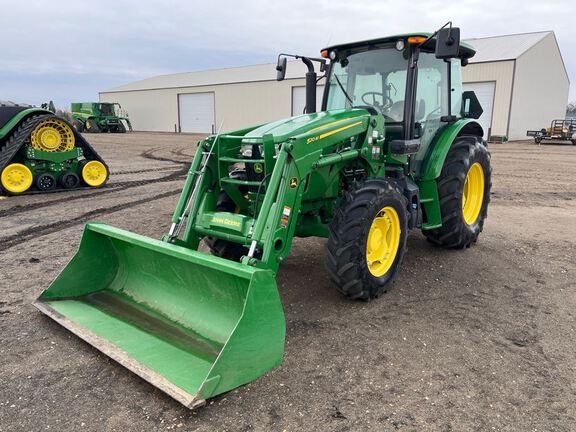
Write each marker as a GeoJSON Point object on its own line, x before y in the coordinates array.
{"type": "Point", "coordinates": [332, 55]}
{"type": "Point", "coordinates": [400, 45]}
{"type": "Point", "coordinates": [246, 151]}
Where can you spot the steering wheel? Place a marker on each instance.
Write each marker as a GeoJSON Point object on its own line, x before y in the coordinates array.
{"type": "Point", "coordinates": [386, 101]}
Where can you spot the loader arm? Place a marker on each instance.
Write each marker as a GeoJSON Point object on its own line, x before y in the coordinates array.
{"type": "Point", "coordinates": [287, 161]}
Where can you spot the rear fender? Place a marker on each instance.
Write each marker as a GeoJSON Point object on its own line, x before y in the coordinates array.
{"type": "Point", "coordinates": [433, 164]}
{"type": "Point", "coordinates": [432, 168]}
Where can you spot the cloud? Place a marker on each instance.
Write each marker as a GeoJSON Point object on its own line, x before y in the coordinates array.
{"type": "Point", "coordinates": [69, 50]}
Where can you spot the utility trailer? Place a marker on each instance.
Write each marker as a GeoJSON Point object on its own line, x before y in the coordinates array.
{"type": "Point", "coordinates": [559, 130]}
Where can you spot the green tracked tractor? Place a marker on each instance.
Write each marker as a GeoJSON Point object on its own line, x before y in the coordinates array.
{"type": "Point", "coordinates": [395, 147]}
{"type": "Point", "coordinates": [96, 117]}
{"type": "Point", "coordinates": [41, 152]}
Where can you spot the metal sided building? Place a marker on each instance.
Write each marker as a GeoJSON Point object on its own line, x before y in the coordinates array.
{"type": "Point", "coordinates": [520, 80]}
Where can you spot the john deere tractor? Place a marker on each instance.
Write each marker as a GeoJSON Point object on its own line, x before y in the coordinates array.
{"type": "Point", "coordinates": [96, 117]}
{"type": "Point", "coordinates": [395, 147]}
{"type": "Point", "coordinates": [40, 152]}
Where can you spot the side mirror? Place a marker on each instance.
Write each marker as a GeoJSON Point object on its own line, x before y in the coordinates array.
{"type": "Point", "coordinates": [471, 107]}
{"type": "Point", "coordinates": [281, 69]}
{"type": "Point", "coordinates": [448, 43]}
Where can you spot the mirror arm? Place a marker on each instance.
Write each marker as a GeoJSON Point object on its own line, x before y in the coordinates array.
{"type": "Point", "coordinates": [429, 38]}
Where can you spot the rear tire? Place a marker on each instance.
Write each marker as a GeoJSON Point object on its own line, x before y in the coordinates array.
{"type": "Point", "coordinates": [350, 248]}
{"type": "Point", "coordinates": [456, 232]}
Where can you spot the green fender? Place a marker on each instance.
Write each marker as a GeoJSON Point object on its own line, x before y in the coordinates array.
{"type": "Point", "coordinates": [432, 168]}
{"type": "Point", "coordinates": [14, 121]}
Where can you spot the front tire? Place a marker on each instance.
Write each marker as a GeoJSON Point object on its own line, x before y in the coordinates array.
{"type": "Point", "coordinates": [464, 193]}
{"type": "Point", "coordinates": [367, 239]}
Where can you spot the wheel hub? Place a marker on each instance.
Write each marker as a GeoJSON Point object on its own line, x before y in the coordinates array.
{"type": "Point", "coordinates": [16, 178]}
{"type": "Point", "coordinates": [383, 241]}
{"type": "Point", "coordinates": [94, 173]}
{"type": "Point", "coordinates": [52, 135]}
{"type": "Point", "coordinates": [473, 193]}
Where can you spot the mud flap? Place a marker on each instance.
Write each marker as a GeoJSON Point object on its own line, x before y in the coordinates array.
{"type": "Point", "coordinates": [191, 324]}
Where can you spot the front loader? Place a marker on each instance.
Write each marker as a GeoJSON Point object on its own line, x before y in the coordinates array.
{"type": "Point", "coordinates": [395, 147]}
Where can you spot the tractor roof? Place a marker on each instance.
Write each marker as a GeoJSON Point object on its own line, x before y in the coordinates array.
{"type": "Point", "coordinates": [466, 51]}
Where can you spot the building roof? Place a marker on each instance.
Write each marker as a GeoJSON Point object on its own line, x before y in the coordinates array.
{"type": "Point", "coordinates": [242, 74]}
{"type": "Point", "coordinates": [488, 49]}
{"type": "Point", "coordinates": [507, 47]}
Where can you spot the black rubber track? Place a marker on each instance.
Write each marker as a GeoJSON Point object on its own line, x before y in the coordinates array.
{"type": "Point", "coordinates": [455, 233]}
{"type": "Point", "coordinates": [21, 137]}
{"type": "Point", "coordinates": [346, 246]}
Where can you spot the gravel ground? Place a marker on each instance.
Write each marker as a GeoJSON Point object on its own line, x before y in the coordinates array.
{"type": "Point", "coordinates": [480, 339]}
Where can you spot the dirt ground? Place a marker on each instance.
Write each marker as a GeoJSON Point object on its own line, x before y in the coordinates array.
{"type": "Point", "coordinates": [473, 340]}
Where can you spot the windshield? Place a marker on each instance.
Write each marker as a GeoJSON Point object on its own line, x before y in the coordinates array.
{"type": "Point", "coordinates": [376, 77]}
{"type": "Point", "coordinates": [107, 109]}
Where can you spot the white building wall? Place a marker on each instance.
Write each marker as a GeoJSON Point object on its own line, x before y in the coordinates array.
{"type": "Point", "coordinates": [540, 88]}
{"type": "Point", "coordinates": [502, 74]}
{"type": "Point", "coordinates": [237, 105]}
{"type": "Point", "coordinates": [529, 92]}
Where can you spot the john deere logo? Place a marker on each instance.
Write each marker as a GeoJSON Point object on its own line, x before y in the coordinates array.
{"type": "Point", "coordinates": [258, 168]}
{"type": "Point", "coordinates": [293, 182]}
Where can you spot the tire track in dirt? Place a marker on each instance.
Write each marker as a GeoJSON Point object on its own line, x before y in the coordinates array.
{"type": "Point", "coordinates": [42, 230]}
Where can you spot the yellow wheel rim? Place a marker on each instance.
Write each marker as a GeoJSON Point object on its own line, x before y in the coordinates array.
{"type": "Point", "coordinates": [473, 194]}
{"type": "Point", "coordinates": [53, 135]}
{"type": "Point", "coordinates": [94, 173]}
{"type": "Point", "coordinates": [383, 241]}
{"type": "Point", "coordinates": [16, 178]}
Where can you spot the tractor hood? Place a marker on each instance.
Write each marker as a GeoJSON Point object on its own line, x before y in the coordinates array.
{"type": "Point", "coordinates": [286, 128]}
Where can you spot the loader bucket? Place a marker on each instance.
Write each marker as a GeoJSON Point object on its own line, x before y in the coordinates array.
{"type": "Point", "coordinates": [191, 324]}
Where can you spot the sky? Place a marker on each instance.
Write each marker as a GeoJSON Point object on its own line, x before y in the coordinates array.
{"type": "Point", "coordinates": [68, 51]}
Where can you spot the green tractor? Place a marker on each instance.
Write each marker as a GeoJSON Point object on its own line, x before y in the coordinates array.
{"type": "Point", "coordinates": [96, 117]}
{"type": "Point", "coordinates": [395, 147]}
{"type": "Point", "coordinates": [41, 152]}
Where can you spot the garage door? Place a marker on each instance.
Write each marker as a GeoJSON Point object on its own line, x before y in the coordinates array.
{"type": "Point", "coordinates": [196, 112]}
{"type": "Point", "coordinates": [485, 94]}
{"type": "Point", "coordinates": [299, 99]}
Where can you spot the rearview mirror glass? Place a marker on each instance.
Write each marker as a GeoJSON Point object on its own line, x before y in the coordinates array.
{"type": "Point", "coordinates": [471, 107]}
{"type": "Point", "coordinates": [448, 43]}
{"type": "Point", "coordinates": [281, 69]}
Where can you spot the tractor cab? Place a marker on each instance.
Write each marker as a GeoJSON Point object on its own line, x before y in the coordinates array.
{"type": "Point", "coordinates": [106, 109]}
{"type": "Point", "coordinates": [416, 87]}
